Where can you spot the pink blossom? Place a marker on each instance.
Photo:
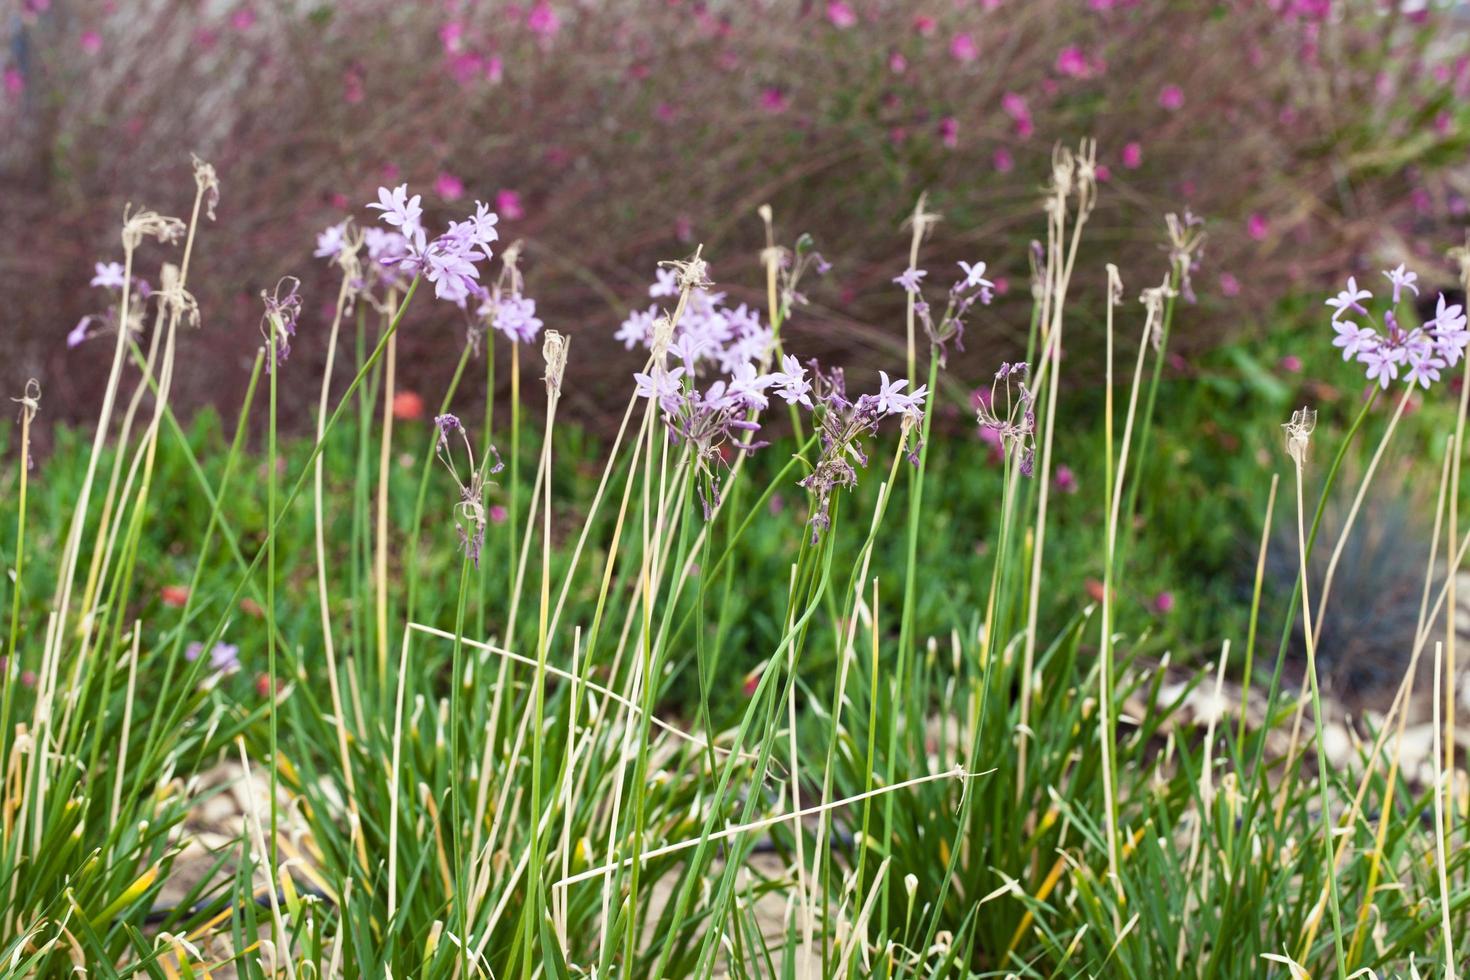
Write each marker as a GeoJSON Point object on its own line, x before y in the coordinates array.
{"type": "Point", "coordinates": [664, 112]}
{"type": "Point", "coordinates": [1163, 602]}
{"type": "Point", "coordinates": [1257, 226]}
{"type": "Point", "coordinates": [508, 205]}
{"type": "Point", "coordinates": [242, 19]}
{"type": "Point", "coordinates": [352, 91]}
{"type": "Point", "coordinates": [341, 201]}
{"type": "Point", "coordinates": [451, 35]}
{"type": "Point", "coordinates": [494, 69]}
{"type": "Point", "coordinates": [1002, 285]}
{"type": "Point", "coordinates": [1104, 173]}
{"type": "Point", "coordinates": [91, 42]}
{"type": "Point", "coordinates": [1229, 285]}
{"type": "Point", "coordinates": [1073, 62]}
{"type": "Point", "coordinates": [15, 82]}
{"type": "Point", "coordinates": [498, 514]}
{"type": "Point", "coordinates": [1171, 97]}
{"type": "Point", "coordinates": [925, 25]}
{"type": "Point", "coordinates": [1133, 155]}
{"type": "Point", "coordinates": [448, 186]}
{"type": "Point", "coordinates": [1066, 480]}
{"type": "Point", "coordinates": [390, 173]}
{"type": "Point", "coordinates": [897, 63]}
{"type": "Point", "coordinates": [773, 100]}
{"type": "Point", "coordinates": [962, 48]}
{"type": "Point", "coordinates": [949, 132]}
{"type": "Point", "coordinates": [840, 14]}
{"type": "Point", "coordinates": [1013, 104]}
{"type": "Point", "coordinates": [1291, 364]}
{"type": "Point", "coordinates": [542, 21]}
{"type": "Point", "coordinates": [1004, 162]}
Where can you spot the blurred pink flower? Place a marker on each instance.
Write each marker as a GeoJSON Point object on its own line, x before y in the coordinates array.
{"type": "Point", "coordinates": [1229, 285]}
{"type": "Point", "coordinates": [242, 19]}
{"type": "Point", "coordinates": [91, 42]}
{"type": "Point", "coordinates": [390, 173]}
{"type": "Point", "coordinates": [773, 99]}
{"type": "Point", "coordinates": [448, 186]}
{"type": "Point", "coordinates": [1133, 155]}
{"type": "Point", "coordinates": [1291, 364]}
{"type": "Point", "coordinates": [1073, 62]}
{"type": "Point", "coordinates": [1066, 480]}
{"type": "Point", "coordinates": [684, 228]}
{"type": "Point", "coordinates": [1171, 97]}
{"type": "Point", "coordinates": [949, 132]}
{"type": "Point", "coordinates": [925, 25]}
{"type": "Point", "coordinates": [962, 48]}
{"type": "Point", "coordinates": [1257, 226]}
{"type": "Point", "coordinates": [1004, 162]}
{"type": "Point", "coordinates": [341, 201]}
{"type": "Point", "coordinates": [498, 514]}
{"type": "Point", "coordinates": [1002, 285]}
{"type": "Point", "coordinates": [664, 112]}
{"type": "Point", "coordinates": [543, 21]}
{"type": "Point", "coordinates": [1013, 104]}
{"type": "Point", "coordinates": [840, 14]}
{"type": "Point", "coordinates": [494, 69]}
{"type": "Point", "coordinates": [897, 63]}
{"type": "Point", "coordinates": [15, 82]}
{"type": "Point", "coordinates": [1163, 602]}
{"type": "Point", "coordinates": [352, 90]}
{"type": "Point", "coordinates": [451, 35]}
{"type": "Point", "coordinates": [508, 205]}
{"type": "Point", "coordinates": [1104, 173]}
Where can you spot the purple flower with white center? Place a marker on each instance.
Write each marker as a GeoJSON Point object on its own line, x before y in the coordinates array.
{"type": "Point", "coordinates": [331, 241]}
{"type": "Point", "coordinates": [688, 349]}
{"type": "Point", "coordinates": [515, 316]}
{"type": "Point", "coordinates": [637, 328]}
{"type": "Point", "coordinates": [1423, 369]}
{"type": "Point", "coordinates": [663, 386]}
{"type": "Point", "coordinates": [224, 658]}
{"type": "Point", "coordinates": [975, 277]}
{"type": "Point", "coordinates": [891, 399]}
{"type": "Point", "coordinates": [1448, 330]}
{"type": "Point", "coordinates": [748, 386]}
{"type": "Point", "coordinates": [1348, 299]}
{"type": "Point", "coordinates": [1382, 365]}
{"type": "Point", "coordinates": [1401, 280]}
{"type": "Point", "coordinates": [666, 283]}
{"type": "Point", "coordinates": [791, 384]}
{"type": "Point", "coordinates": [110, 275]}
{"type": "Point", "coordinates": [399, 210]}
{"type": "Point", "coordinates": [1354, 339]}
{"type": "Point", "coordinates": [911, 280]}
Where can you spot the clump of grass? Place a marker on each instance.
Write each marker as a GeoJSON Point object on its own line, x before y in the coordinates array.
{"type": "Point", "coordinates": [471, 760]}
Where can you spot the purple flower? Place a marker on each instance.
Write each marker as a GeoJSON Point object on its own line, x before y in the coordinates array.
{"type": "Point", "coordinates": [975, 276]}
{"type": "Point", "coordinates": [911, 280]}
{"type": "Point", "coordinates": [1401, 280]}
{"type": "Point", "coordinates": [330, 242]}
{"type": "Point", "coordinates": [891, 399]}
{"type": "Point", "coordinates": [748, 386]}
{"type": "Point", "coordinates": [1354, 339]}
{"type": "Point", "coordinates": [224, 658]}
{"type": "Point", "coordinates": [662, 385]}
{"type": "Point", "coordinates": [515, 316]}
{"type": "Point", "coordinates": [1348, 299]}
{"type": "Point", "coordinates": [399, 210]}
{"type": "Point", "coordinates": [1382, 365]}
{"type": "Point", "coordinates": [109, 275]}
{"type": "Point", "coordinates": [78, 333]}
{"type": "Point", "coordinates": [791, 383]}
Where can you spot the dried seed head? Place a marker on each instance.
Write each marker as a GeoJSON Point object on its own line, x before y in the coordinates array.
{"type": "Point", "coordinates": [175, 298]}
{"type": "Point", "coordinates": [1115, 285]}
{"type": "Point", "coordinates": [663, 335]}
{"type": "Point", "coordinates": [148, 224]}
{"type": "Point", "coordinates": [691, 273]}
{"type": "Point", "coordinates": [1299, 433]}
{"type": "Point", "coordinates": [1153, 300]}
{"type": "Point", "coordinates": [922, 221]}
{"type": "Point", "coordinates": [208, 183]}
{"type": "Point", "coordinates": [30, 401]}
{"type": "Point", "coordinates": [554, 350]}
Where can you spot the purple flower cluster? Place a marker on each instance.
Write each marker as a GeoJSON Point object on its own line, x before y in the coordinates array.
{"type": "Point", "coordinates": [708, 334]}
{"type": "Point", "coordinates": [112, 277]}
{"type": "Point", "coordinates": [1014, 432]}
{"type": "Point", "coordinates": [512, 314]}
{"type": "Point", "coordinates": [1387, 347]}
{"type": "Point", "coordinates": [950, 326]}
{"type": "Point", "coordinates": [842, 424]}
{"type": "Point", "coordinates": [450, 261]}
{"type": "Point", "coordinates": [282, 312]}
